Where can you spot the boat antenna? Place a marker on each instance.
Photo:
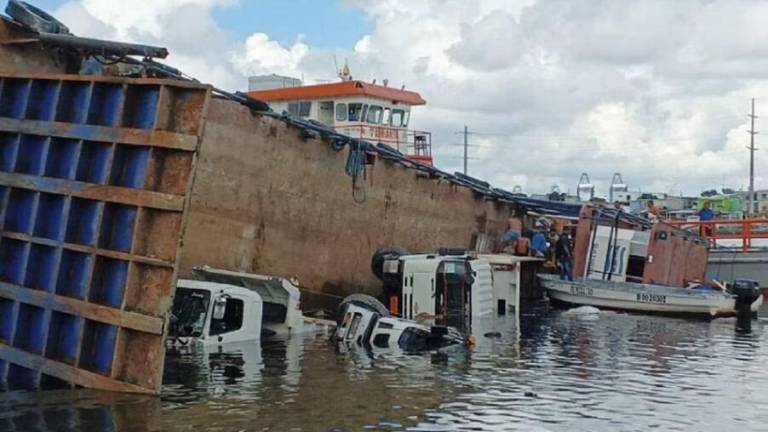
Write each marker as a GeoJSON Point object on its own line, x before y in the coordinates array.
{"type": "Point", "coordinates": [336, 66]}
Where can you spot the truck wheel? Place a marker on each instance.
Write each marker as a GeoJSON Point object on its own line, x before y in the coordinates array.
{"type": "Point", "coordinates": [363, 300]}
{"type": "Point", "coordinates": [377, 261]}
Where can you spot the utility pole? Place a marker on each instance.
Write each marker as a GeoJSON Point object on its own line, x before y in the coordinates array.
{"type": "Point", "coordinates": [752, 132]}
{"type": "Point", "coordinates": [466, 144]}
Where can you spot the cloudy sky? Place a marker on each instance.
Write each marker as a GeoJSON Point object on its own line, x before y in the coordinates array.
{"type": "Point", "coordinates": [656, 90]}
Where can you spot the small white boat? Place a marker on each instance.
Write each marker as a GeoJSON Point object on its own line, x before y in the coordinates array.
{"type": "Point", "coordinates": [644, 297]}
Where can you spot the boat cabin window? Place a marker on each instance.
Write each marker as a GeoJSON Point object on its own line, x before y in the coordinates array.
{"type": "Point", "coordinates": [385, 116]}
{"type": "Point", "coordinates": [406, 118]}
{"type": "Point", "coordinates": [374, 114]}
{"type": "Point", "coordinates": [190, 308]}
{"type": "Point", "coordinates": [397, 117]}
{"type": "Point", "coordinates": [341, 112]}
{"type": "Point", "coordinates": [232, 320]}
{"type": "Point", "coordinates": [635, 268]}
{"type": "Point", "coordinates": [365, 113]}
{"type": "Point", "coordinates": [300, 109]}
{"type": "Point", "coordinates": [354, 111]}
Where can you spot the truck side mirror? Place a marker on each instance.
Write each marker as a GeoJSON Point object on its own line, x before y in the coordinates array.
{"type": "Point", "coordinates": [219, 307]}
{"type": "Point", "coordinates": [469, 278]}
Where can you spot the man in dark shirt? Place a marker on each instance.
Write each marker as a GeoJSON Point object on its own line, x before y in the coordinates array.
{"type": "Point", "coordinates": [564, 256]}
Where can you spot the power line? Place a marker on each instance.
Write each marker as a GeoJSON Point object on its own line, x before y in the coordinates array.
{"type": "Point", "coordinates": [466, 141]}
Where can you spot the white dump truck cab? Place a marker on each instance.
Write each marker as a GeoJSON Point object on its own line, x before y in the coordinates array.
{"type": "Point", "coordinates": [449, 287]}
{"type": "Point", "coordinates": [214, 313]}
{"type": "Point", "coordinates": [364, 322]}
{"type": "Point", "coordinates": [281, 298]}
{"type": "Point", "coordinates": [225, 306]}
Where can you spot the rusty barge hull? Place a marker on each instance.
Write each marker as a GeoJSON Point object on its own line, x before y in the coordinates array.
{"type": "Point", "coordinates": [95, 174]}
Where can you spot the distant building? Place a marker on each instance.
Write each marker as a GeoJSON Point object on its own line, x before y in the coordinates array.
{"type": "Point", "coordinates": [272, 81]}
{"type": "Point", "coordinates": [666, 201]}
{"type": "Point", "coordinates": [760, 204]}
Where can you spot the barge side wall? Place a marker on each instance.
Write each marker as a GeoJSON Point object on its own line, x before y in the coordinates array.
{"type": "Point", "coordinates": [266, 200]}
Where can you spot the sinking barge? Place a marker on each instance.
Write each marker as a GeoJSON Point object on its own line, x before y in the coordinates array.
{"type": "Point", "coordinates": [117, 176]}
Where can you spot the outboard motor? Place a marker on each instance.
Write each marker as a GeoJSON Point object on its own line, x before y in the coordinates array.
{"type": "Point", "coordinates": [746, 292]}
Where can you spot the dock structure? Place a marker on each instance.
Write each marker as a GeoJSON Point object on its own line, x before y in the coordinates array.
{"type": "Point", "coordinates": [95, 175]}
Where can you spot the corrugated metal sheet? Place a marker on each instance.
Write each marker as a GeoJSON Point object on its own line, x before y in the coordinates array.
{"type": "Point", "coordinates": [95, 174]}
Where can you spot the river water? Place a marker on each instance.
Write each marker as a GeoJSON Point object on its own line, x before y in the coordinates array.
{"type": "Point", "coordinates": [558, 372]}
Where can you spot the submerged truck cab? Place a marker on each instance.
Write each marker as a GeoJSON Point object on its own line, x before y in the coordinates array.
{"type": "Point", "coordinates": [449, 287]}
{"type": "Point", "coordinates": [214, 313]}
{"type": "Point", "coordinates": [226, 306]}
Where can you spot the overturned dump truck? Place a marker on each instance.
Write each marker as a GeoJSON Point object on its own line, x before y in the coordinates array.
{"type": "Point", "coordinates": [448, 287]}
{"type": "Point", "coordinates": [95, 174]}
{"type": "Point", "coordinates": [362, 321]}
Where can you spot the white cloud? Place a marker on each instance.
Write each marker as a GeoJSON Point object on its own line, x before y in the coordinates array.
{"type": "Point", "coordinates": [260, 55]}
{"type": "Point", "coordinates": [657, 89]}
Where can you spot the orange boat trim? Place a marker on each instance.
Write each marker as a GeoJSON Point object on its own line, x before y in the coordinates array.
{"type": "Point", "coordinates": [338, 89]}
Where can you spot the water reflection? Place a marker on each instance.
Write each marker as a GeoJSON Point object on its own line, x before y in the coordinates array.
{"type": "Point", "coordinates": [569, 372]}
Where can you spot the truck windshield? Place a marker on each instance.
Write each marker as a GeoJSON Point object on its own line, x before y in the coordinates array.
{"type": "Point", "coordinates": [190, 308]}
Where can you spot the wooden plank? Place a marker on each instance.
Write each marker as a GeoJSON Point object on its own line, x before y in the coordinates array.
{"type": "Point", "coordinates": [139, 137]}
{"type": "Point", "coordinates": [115, 194]}
{"type": "Point", "coordinates": [91, 311]}
{"type": "Point", "coordinates": [91, 250]}
{"type": "Point", "coordinates": [66, 372]}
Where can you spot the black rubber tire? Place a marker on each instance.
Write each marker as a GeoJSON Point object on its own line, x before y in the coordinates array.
{"type": "Point", "coordinates": [363, 300]}
{"type": "Point", "coordinates": [34, 18]}
{"type": "Point", "coordinates": [377, 261]}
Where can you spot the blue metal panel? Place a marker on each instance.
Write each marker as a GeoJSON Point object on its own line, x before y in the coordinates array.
{"type": "Point", "coordinates": [83, 221]}
{"type": "Point", "coordinates": [41, 104]}
{"type": "Point", "coordinates": [63, 337]}
{"type": "Point", "coordinates": [129, 167]}
{"type": "Point", "coordinates": [32, 152]}
{"type": "Point", "coordinates": [104, 108]}
{"type": "Point", "coordinates": [141, 106]}
{"type": "Point", "coordinates": [50, 214]}
{"type": "Point", "coordinates": [117, 227]}
{"type": "Point", "coordinates": [13, 98]}
{"type": "Point", "coordinates": [13, 260]}
{"type": "Point", "coordinates": [7, 319]}
{"type": "Point", "coordinates": [30, 329]}
{"type": "Point", "coordinates": [98, 346]}
{"type": "Point", "coordinates": [9, 145]}
{"type": "Point", "coordinates": [20, 211]}
{"type": "Point", "coordinates": [73, 102]}
{"type": "Point", "coordinates": [109, 281]}
{"type": "Point", "coordinates": [42, 275]}
{"type": "Point", "coordinates": [62, 158]}
{"type": "Point", "coordinates": [74, 272]}
{"type": "Point", "coordinates": [93, 164]}
{"type": "Point", "coordinates": [21, 378]}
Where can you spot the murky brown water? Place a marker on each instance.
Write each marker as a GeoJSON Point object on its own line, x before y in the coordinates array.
{"type": "Point", "coordinates": [563, 373]}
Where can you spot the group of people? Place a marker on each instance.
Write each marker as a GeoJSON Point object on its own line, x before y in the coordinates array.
{"type": "Point", "coordinates": [541, 242]}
